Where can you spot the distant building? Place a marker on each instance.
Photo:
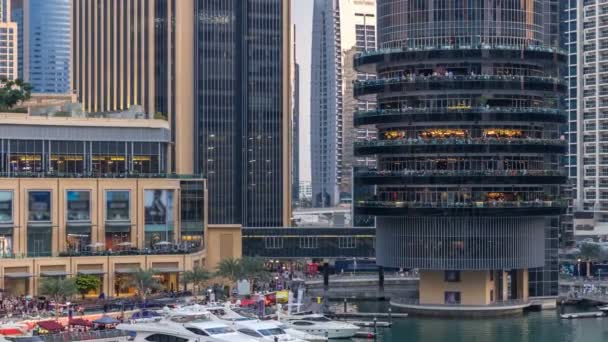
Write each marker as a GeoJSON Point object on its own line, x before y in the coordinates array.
{"type": "Point", "coordinates": [341, 28]}
{"type": "Point", "coordinates": [44, 43]}
{"type": "Point", "coordinates": [8, 43]}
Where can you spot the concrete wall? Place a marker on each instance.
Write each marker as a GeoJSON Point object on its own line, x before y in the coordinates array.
{"type": "Point", "coordinates": [474, 287]}
{"type": "Point", "coordinates": [223, 242]}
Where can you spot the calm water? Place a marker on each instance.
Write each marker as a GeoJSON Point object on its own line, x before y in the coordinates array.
{"type": "Point", "coordinates": [533, 327]}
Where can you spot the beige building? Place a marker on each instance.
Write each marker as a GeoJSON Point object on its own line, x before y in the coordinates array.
{"type": "Point", "coordinates": [8, 43]}
{"type": "Point", "coordinates": [94, 196]}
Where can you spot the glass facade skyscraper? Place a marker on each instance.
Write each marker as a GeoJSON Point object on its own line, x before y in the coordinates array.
{"type": "Point", "coordinates": [469, 153]}
{"type": "Point", "coordinates": [44, 31]}
{"type": "Point", "coordinates": [242, 122]}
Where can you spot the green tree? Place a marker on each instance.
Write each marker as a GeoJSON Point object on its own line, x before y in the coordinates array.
{"type": "Point", "coordinates": [144, 281]}
{"type": "Point", "coordinates": [254, 270]}
{"type": "Point", "coordinates": [58, 289]}
{"type": "Point", "coordinates": [591, 251]}
{"type": "Point", "coordinates": [229, 268]}
{"type": "Point", "coordinates": [86, 283]}
{"type": "Point", "coordinates": [196, 277]}
{"type": "Point", "coordinates": [13, 92]}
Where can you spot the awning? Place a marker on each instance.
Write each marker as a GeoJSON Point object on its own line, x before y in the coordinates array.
{"type": "Point", "coordinates": [167, 269]}
{"type": "Point", "coordinates": [18, 275]}
{"type": "Point", "coordinates": [81, 322]}
{"type": "Point", "coordinates": [50, 326]}
{"type": "Point", "coordinates": [92, 272]}
{"type": "Point", "coordinates": [53, 273]}
{"type": "Point", "coordinates": [118, 227]}
{"type": "Point", "coordinates": [126, 270]}
{"type": "Point", "coordinates": [79, 227]}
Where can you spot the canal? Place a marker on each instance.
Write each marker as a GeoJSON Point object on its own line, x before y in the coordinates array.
{"type": "Point", "coordinates": [545, 326]}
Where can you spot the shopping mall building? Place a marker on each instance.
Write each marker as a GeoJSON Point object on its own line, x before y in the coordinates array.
{"type": "Point", "coordinates": [81, 195]}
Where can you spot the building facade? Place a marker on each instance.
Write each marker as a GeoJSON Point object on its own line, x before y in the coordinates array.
{"type": "Point", "coordinates": [341, 28]}
{"type": "Point", "coordinates": [468, 148]}
{"type": "Point", "coordinates": [222, 82]}
{"type": "Point", "coordinates": [589, 101]}
{"type": "Point", "coordinates": [93, 196]}
{"type": "Point", "coordinates": [44, 43]}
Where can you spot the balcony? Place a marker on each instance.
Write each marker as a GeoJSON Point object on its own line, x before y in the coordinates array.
{"type": "Point", "coordinates": [461, 177]}
{"type": "Point", "coordinates": [165, 250]}
{"type": "Point", "coordinates": [457, 145]}
{"type": "Point", "coordinates": [368, 61]}
{"type": "Point", "coordinates": [460, 113]}
{"type": "Point", "coordinates": [97, 175]}
{"type": "Point", "coordinates": [366, 90]}
{"type": "Point", "coordinates": [398, 208]}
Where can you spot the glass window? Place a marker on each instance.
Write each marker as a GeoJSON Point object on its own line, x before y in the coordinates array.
{"type": "Point", "coordinates": [452, 297]}
{"type": "Point", "coordinates": [117, 205]}
{"type": "Point", "coordinates": [6, 206]}
{"type": "Point", "coordinates": [158, 207]}
{"type": "Point", "coordinates": [79, 205]}
{"type": "Point", "coordinates": [452, 276]}
{"type": "Point", "coordinates": [39, 206]}
{"type": "Point", "coordinates": [165, 338]}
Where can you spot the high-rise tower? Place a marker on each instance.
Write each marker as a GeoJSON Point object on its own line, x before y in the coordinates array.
{"type": "Point", "coordinates": [341, 28]}
{"type": "Point", "coordinates": [468, 147]}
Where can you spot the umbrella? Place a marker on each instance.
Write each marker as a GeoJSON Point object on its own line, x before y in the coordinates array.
{"type": "Point", "coordinates": [97, 244]}
{"type": "Point", "coordinates": [106, 320]}
{"type": "Point", "coordinates": [163, 243]}
{"type": "Point", "coordinates": [81, 322]}
{"type": "Point", "coordinates": [51, 326]}
{"type": "Point", "coordinates": [126, 243]}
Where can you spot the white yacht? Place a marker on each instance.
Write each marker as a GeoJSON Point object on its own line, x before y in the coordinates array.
{"type": "Point", "coordinates": [218, 330]}
{"type": "Point", "coordinates": [161, 331]}
{"type": "Point", "coordinates": [320, 325]}
{"type": "Point", "coordinates": [264, 331]}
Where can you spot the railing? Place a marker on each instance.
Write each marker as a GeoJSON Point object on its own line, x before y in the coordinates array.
{"type": "Point", "coordinates": [460, 173]}
{"type": "Point", "coordinates": [98, 175]}
{"type": "Point", "coordinates": [454, 78]}
{"type": "Point", "coordinates": [147, 251]}
{"type": "Point", "coordinates": [480, 204]}
{"type": "Point", "coordinates": [442, 111]}
{"type": "Point", "coordinates": [459, 141]}
{"type": "Point", "coordinates": [462, 47]}
{"type": "Point", "coordinates": [84, 336]}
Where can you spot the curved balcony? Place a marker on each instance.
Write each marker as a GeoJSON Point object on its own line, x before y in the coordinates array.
{"type": "Point", "coordinates": [506, 208]}
{"type": "Point", "coordinates": [368, 62]}
{"type": "Point", "coordinates": [453, 145]}
{"type": "Point", "coordinates": [368, 89]}
{"type": "Point", "coordinates": [459, 114]}
{"type": "Point", "coordinates": [461, 177]}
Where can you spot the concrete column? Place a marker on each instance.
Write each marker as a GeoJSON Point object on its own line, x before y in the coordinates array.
{"type": "Point", "coordinates": [505, 285]}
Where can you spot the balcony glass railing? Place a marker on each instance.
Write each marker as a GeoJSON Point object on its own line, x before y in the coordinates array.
{"type": "Point", "coordinates": [462, 47]}
{"type": "Point", "coordinates": [459, 109]}
{"type": "Point", "coordinates": [124, 252]}
{"type": "Point", "coordinates": [459, 173]}
{"type": "Point", "coordinates": [477, 80]}
{"type": "Point", "coordinates": [472, 204]}
{"type": "Point", "coordinates": [457, 141]}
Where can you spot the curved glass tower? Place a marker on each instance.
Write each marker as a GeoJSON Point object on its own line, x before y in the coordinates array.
{"type": "Point", "coordinates": [468, 147]}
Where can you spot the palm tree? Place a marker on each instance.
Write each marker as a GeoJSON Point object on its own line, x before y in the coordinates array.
{"type": "Point", "coordinates": [230, 269]}
{"type": "Point", "coordinates": [144, 281]}
{"type": "Point", "coordinates": [254, 270]}
{"type": "Point", "coordinates": [196, 277]}
{"type": "Point", "coordinates": [59, 289]}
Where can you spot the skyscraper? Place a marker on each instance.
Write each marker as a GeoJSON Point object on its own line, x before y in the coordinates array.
{"type": "Point", "coordinates": [341, 28]}
{"type": "Point", "coordinates": [243, 110]}
{"type": "Point", "coordinates": [44, 43]}
{"type": "Point", "coordinates": [8, 43]}
{"type": "Point", "coordinates": [588, 25]}
{"type": "Point", "coordinates": [220, 77]}
{"type": "Point", "coordinates": [295, 123]}
{"type": "Point", "coordinates": [468, 150]}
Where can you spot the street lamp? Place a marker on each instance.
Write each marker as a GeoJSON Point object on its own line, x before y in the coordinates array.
{"type": "Point", "coordinates": [579, 267]}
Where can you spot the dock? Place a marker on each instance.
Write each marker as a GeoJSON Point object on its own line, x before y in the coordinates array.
{"type": "Point", "coordinates": [592, 314]}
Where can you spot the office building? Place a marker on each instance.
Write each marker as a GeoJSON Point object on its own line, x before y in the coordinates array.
{"type": "Point", "coordinates": [468, 150]}
{"type": "Point", "coordinates": [589, 101]}
{"type": "Point", "coordinates": [91, 195]}
{"type": "Point", "coordinates": [8, 43]}
{"type": "Point", "coordinates": [44, 43]}
{"type": "Point", "coordinates": [295, 147]}
{"type": "Point", "coordinates": [341, 28]}
{"type": "Point", "coordinates": [221, 81]}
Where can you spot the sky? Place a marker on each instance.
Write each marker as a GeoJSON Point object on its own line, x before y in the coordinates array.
{"type": "Point", "coordinates": [302, 19]}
